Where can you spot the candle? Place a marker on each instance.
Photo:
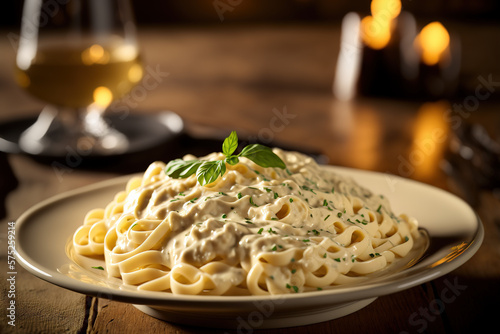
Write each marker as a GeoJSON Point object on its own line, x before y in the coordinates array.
{"type": "Point", "coordinates": [433, 43]}
{"type": "Point", "coordinates": [374, 57]}
{"type": "Point", "coordinates": [439, 61]}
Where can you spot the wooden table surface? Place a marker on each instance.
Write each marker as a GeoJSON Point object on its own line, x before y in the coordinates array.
{"type": "Point", "coordinates": [238, 78]}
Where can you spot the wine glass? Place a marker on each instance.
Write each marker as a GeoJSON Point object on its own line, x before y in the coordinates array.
{"type": "Point", "coordinates": [78, 56]}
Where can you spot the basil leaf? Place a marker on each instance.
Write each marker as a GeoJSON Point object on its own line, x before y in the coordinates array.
{"type": "Point", "coordinates": [179, 168]}
{"type": "Point", "coordinates": [232, 160]}
{"type": "Point", "coordinates": [262, 156]}
{"type": "Point", "coordinates": [209, 171]}
{"type": "Point", "coordinates": [230, 144]}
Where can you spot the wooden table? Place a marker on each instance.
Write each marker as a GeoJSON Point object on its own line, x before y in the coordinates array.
{"type": "Point", "coordinates": [238, 78]}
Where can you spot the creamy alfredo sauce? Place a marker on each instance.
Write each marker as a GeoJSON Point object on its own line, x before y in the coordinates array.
{"type": "Point", "coordinates": [253, 231]}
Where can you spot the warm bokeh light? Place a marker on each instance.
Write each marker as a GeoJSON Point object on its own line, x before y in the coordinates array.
{"type": "Point", "coordinates": [135, 73]}
{"type": "Point", "coordinates": [103, 96]}
{"type": "Point", "coordinates": [433, 41]}
{"type": "Point", "coordinates": [376, 29]}
{"type": "Point", "coordinates": [387, 8]}
{"type": "Point", "coordinates": [375, 34]}
{"type": "Point", "coordinates": [429, 141]}
{"type": "Point", "coordinates": [95, 54]}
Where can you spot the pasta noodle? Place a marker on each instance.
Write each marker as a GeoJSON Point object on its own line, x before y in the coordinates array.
{"type": "Point", "coordinates": [253, 231]}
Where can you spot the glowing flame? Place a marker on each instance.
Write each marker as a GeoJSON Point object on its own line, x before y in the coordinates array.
{"type": "Point", "coordinates": [376, 29]}
{"type": "Point", "coordinates": [102, 96]}
{"type": "Point", "coordinates": [433, 41]}
{"type": "Point", "coordinates": [390, 8]}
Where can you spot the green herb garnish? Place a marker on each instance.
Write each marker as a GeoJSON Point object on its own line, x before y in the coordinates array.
{"type": "Point", "coordinates": [100, 268]}
{"type": "Point", "coordinates": [252, 202]}
{"type": "Point", "coordinates": [208, 171]}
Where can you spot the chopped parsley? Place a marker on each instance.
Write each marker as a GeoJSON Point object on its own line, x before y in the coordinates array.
{"type": "Point", "coordinates": [99, 267]}
{"type": "Point", "coordinates": [252, 202]}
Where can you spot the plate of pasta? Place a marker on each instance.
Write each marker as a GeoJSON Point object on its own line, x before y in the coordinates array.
{"type": "Point", "coordinates": [265, 237]}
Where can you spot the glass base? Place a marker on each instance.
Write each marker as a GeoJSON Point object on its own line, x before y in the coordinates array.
{"type": "Point", "coordinates": [46, 137]}
{"type": "Point", "coordinates": [54, 133]}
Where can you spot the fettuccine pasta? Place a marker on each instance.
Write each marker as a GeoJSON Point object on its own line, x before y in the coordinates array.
{"type": "Point", "coordinates": [254, 230]}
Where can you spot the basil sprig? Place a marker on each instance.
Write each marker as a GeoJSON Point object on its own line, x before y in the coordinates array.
{"type": "Point", "coordinates": [208, 171]}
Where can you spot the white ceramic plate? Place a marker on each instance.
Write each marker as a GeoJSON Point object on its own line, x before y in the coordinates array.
{"type": "Point", "coordinates": [455, 234]}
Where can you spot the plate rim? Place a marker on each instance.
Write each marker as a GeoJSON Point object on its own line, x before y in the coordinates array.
{"type": "Point", "coordinates": [344, 294]}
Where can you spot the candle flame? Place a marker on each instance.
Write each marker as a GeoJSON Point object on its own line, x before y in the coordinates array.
{"type": "Point", "coordinates": [376, 29]}
{"type": "Point", "coordinates": [433, 41]}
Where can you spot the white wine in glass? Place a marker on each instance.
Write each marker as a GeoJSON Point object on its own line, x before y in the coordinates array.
{"type": "Point", "coordinates": [78, 57]}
